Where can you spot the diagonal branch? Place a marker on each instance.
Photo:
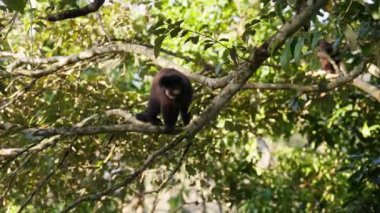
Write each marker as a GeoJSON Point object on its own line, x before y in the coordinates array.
{"type": "Point", "coordinates": [257, 57]}
{"type": "Point", "coordinates": [14, 97]}
{"type": "Point", "coordinates": [90, 8]}
{"type": "Point", "coordinates": [46, 179]}
{"type": "Point", "coordinates": [171, 175]}
{"type": "Point", "coordinates": [367, 88]}
{"type": "Point", "coordinates": [60, 61]}
{"type": "Point", "coordinates": [127, 180]}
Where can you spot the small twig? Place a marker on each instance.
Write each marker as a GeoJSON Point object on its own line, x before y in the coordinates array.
{"type": "Point", "coordinates": [18, 94]}
{"type": "Point", "coordinates": [127, 180]}
{"type": "Point", "coordinates": [31, 34]}
{"type": "Point", "coordinates": [11, 26]}
{"type": "Point", "coordinates": [171, 175]}
{"type": "Point", "coordinates": [99, 18]}
{"type": "Point", "coordinates": [216, 41]}
{"type": "Point", "coordinates": [24, 150]}
{"type": "Point", "coordinates": [46, 179]}
{"type": "Point", "coordinates": [11, 176]}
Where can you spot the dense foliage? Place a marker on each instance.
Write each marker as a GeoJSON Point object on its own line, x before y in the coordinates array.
{"type": "Point", "coordinates": [324, 147]}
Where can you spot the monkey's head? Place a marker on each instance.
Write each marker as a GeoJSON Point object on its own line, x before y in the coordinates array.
{"type": "Point", "coordinates": [172, 85]}
{"type": "Point", "coordinates": [325, 46]}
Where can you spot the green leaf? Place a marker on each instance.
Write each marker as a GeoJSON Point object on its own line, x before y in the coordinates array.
{"type": "Point", "coordinates": [159, 31]}
{"type": "Point", "coordinates": [208, 45]}
{"type": "Point", "coordinates": [207, 41]}
{"type": "Point", "coordinates": [187, 40]}
{"type": "Point", "coordinates": [195, 39]}
{"type": "Point", "coordinates": [40, 23]}
{"type": "Point", "coordinates": [298, 49]}
{"type": "Point", "coordinates": [178, 23]}
{"type": "Point", "coordinates": [255, 21]}
{"type": "Point", "coordinates": [247, 33]}
{"type": "Point", "coordinates": [175, 32]}
{"type": "Point", "coordinates": [365, 130]}
{"type": "Point", "coordinates": [184, 33]}
{"type": "Point", "coordinates": [286, 55]}
{"type": "Point", "coordinates": [223, 39]}
{"type": "Point", "coordinates": [15, 5]}
{"type": "Point", "coordinates": [157, 45]}
{"type": "Point", "coordinates": [315, 40]}
{"type": "Point", "coordinates": [190, 170]}
{"type": "Point", "coordinates": [233, 55]}
{"type": "Point", "coordinates": [159, 23]}
{"type": "Point", "coordinates": [49, 97]}
{"type": "Point", "coordinates": [250, 24]}
{"type": "Point", "coordinates": [226, 54]}
{"type": "Point", "coordinates": [203, 27]}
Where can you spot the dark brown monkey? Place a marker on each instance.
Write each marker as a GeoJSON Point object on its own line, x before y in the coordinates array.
{"type": "Point", "coordinates": [327, 48]}
{"type": "Point", "coordinates": [171, 93]}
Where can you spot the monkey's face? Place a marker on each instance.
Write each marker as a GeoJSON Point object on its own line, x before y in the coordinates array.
{"type": "Point", "coordinates": [172, 93]}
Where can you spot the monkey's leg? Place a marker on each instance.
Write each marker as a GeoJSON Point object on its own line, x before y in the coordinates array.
{"type": "Point", "coordinates": [185, 115]}
{"type": "Point", "coordinates": [150, 114]}
{"type": "Point", "coordinates": [170, 114]}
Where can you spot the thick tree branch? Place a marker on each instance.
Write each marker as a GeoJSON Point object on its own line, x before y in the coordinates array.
{"type": "Point", "coordinates": [367, 88]}
{"type": "Point", "coordinates": [93, 130]}
{"type": "Point", "coordinates": [52, 135]}
{"type": "Point", "coordinates": [90, 8]}
{"type": "Point", "coordinates": [258, 56]}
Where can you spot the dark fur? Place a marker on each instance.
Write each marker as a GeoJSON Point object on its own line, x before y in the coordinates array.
{"type": "Point", "coordinates": [328, 48]}
{"type": "Point", "coordinates": [160, 103]}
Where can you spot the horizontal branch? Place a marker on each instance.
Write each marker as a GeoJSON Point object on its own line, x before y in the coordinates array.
{"type": "Point", "coordinates": [60, 61]}
{"type": "Point", "coordinates": [117, 47]}
{"type": "Point", "coordinates": [308, 88]}
{"type": "Point", "coordinates": [93, 130]}
{"type": "Point", "coordinates": [52, 135]}
{"type": "Point", "coordinates": [133, 125]}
